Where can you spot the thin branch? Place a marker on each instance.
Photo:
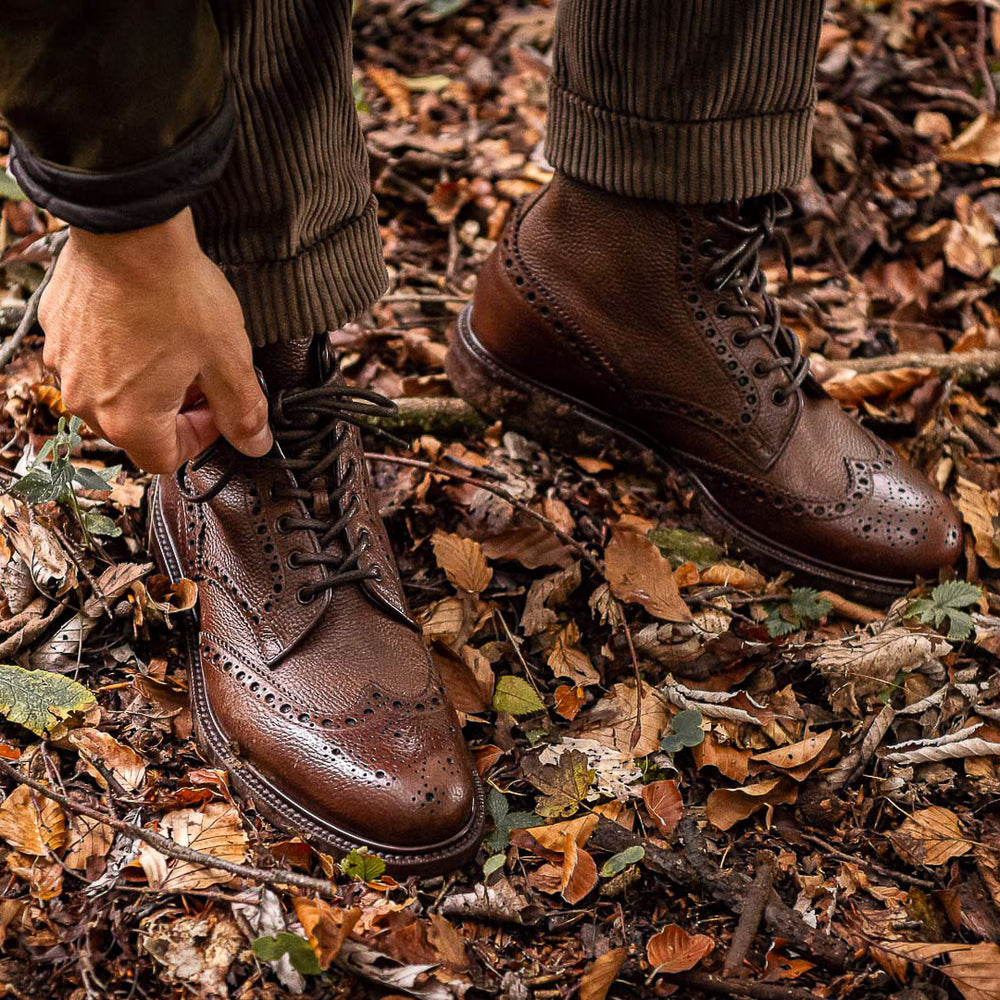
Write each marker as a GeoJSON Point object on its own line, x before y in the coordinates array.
{"type": "Point", "coordinates": [751, 914]}
{"type": "Point", "coordinates": [278, 877]}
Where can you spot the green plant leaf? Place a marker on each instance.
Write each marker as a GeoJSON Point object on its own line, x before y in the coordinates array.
{"type": "Point", "coordinates": [945, 604]}
{"type": "Point", "coordinates": [516, 696]}
{"type": "Point", "coordinates": [98, 524]}
{"type": "Point", "coordinates": [9, 188]}
{"type": "Point", "coordinates": [620, 861]}
{"type": "Point", "coordinates": [361, 865]}
{"type": "Point", "coordinates": [96, 481]}
{"type": "Point", "coordinates": [496, 805]}
{"type": "Point", "coordinates": [36, 486]}
{"type": "Point", "coordinates": [493, 863]}
{"type": "Point", "coordinates": [271, 947]}
{"type": "Point", "coordinates": [38, 699]}
{"type": "Point", "coordinates": [808, 604]}
{"type": "Point", "coordinates": [438, 10]}
{"type": "Point", "coordinates": [685, 731]}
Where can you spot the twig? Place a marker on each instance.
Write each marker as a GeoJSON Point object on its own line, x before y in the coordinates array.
{"type": "Point", "coordinates": [499, 491]}
{"type": "Point", "coordinates": [30, 317]}
{"type": "Point", "coordinates": [417, 297]}
{"type": "Point", "coordinates": [849, 609]}
{"type": "Point", "coordinates": [276, 878]}
{"type": "Point", "coordinates": [730, 988]}
{"type": "Point", "coordinates": [989, 90]}
{"type": "Point", "coordinates": [922, 883]}
{"type": "Point", "coordinates": [751, 915]}
{"type": "Point", "coordinates": [959, 100]}
{"type": "Point", "coordinates": [694, 868]}
{"type": "Point", "coordinates": [438, 415]}
{"type": "Point", "coordinates": [981, 364]}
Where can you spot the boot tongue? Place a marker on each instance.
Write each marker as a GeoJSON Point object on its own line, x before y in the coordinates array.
{"type": "Point", "coordinates": [291, 365]}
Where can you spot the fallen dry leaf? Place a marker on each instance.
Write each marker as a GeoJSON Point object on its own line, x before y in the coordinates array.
{"type": "Point", "coordinates": [32, 823]}
{"type": "Point", "coordinates": [663, 800]}
{"type": "Point", "coordinates": [600, 974]}
{"type": "Point", "coordinates": [981, 511]}
{"type": "Point", "coordinates": [931, 836]}
{"type": "Point", "coordinates": [637, 571]}
{"type": "Point", "coordinates": [326, 926]}
{"type": "Point", "coordinates": [728, 806]}
{"type": "Point", "coordinates": [674, 950]}
{"type": "Point", "coordinates": [463, 561]}
{"type": "Point", "coordinates": [579, 872]}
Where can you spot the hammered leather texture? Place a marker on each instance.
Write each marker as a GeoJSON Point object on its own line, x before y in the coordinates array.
{"type": "Point", "coordinates": [334, 700]}
{"type": "Point", "coordinates": [605, 300]}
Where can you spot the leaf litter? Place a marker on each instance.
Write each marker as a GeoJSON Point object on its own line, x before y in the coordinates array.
{"type": "Point", "coordinates": [692, 767]}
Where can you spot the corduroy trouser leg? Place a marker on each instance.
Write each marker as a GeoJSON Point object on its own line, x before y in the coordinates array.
{"type": "Point", "coordinates": [692, 101]}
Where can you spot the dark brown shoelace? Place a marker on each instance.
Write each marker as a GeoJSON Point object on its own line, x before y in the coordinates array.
{"type": "Point", "coordinates": [755, 225]}
{"type": "Point", "coordinates": [311, 429]}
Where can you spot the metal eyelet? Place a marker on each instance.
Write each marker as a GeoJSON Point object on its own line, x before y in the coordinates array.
{"type": "Point", "coordinates": [304, 596]}
{"type": "Point", "coordinates": [723, 311]}
{"type": "Point", "coordinates": [740, 339]}
{"type": "Point", "coordinates": [760, 370]}
{"type": "Point", "coordinates": [281, 525]}
{"type": "Point", "coordinates": [376, 574]}
{"type": "Point", "coordinates": [779, 398]}
{"type": "Point", "coordinates": [294, 560]}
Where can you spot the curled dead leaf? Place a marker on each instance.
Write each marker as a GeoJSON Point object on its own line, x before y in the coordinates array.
{"type": "Point", "coordinates": [674, 950]}
{"type": "Point", "coordinates": [728, 806]}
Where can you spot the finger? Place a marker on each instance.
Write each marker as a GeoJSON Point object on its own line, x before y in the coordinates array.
{"type": "Point", "coordinates": [239, 408]}
{"type": "Point", "coordinates": [196, 430]}
{"type": "Point", "coordinates": [153, 443]}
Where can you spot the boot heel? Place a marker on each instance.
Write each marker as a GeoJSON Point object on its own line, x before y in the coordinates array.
{"type": "Point", "coordinates": [522, 404]}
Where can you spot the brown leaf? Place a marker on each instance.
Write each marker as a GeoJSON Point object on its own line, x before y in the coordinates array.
{"type": "Point", "coordinates": [128, 768]}
{"type": "Point", "coordinates": [975, 971]}
{"type": "Point", "coordinates": [979, 143]}
{"type": "Point", "coordinates": [32, 823]}
{"type": "Point", "coordinates": [568, 700]}
{"type": "Point", "coordinates": [552, 838]}
{"type": "Point", "coordinates": [579, 873]}
{"type": "Point", "coordinates": [216, 829]}
{"type": "Point", "coordinates": [448, 943]}
{"type": "Point", "coordinates": [392, 86]}
{"type": "Point", "coordinates": [463, 561]}
{"type": "Point", "coordinates": [567, 660]}
{"type": "Point", "coordinates": [728, 806]}
{"type": "Point", "coordinates": [563, 785]}
{"type": "Point", "coordinates": [637, 571]}
{"type": "Point", "coordinates": [728, 760]}
{"type": "Point", "coordinates": [930, 836]}
{"type": "Point", "coordinates": [612, 720]}
{"type": "Point", "coordinates": [674, 950]}
{"type": "Point", "coordinates": [532, 547]}
{"type": "Point", "coordinates": [600, 974]}
{"type": "Point", "coordinates": [742, 577]}
{"type": "Point", "coordinates": [799, 760]}
{"type": "Point", "coordinates": [877, 385]}
{"type": "Point", "coordinates": [981, 511]}
{"type": "Point", "coordinates": [88, 839]}
{"type": "Point", "coordinates": [326, 926]}
{"type": "Point", "coordinates": [663, 800]}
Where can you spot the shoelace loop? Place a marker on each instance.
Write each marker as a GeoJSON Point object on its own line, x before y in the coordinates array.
{"type": "Point", "coordinates": [756, 224]}
{"type": "Point", "coordinates": [311, 428]}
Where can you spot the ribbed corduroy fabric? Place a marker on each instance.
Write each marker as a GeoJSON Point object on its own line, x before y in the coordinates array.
{"type": "Point", "coordinates": [292, 220]}
{"type": "Point", "coordinates": [691, 101]}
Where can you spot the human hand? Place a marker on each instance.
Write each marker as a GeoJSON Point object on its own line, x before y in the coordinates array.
{"type": "Point", "coordinates": [147, 338]}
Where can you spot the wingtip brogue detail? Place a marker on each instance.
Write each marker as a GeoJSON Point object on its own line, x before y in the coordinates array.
{"type": "Point", "coordinates": [309, 680]}
{"type": "Point", "coordinates": [598, 315]}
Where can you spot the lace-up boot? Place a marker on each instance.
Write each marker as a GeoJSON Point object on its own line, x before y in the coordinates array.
{"type": "Point", "coordinates": [598, 315]}
{"type": "Point", "coordinates": [309, 681]}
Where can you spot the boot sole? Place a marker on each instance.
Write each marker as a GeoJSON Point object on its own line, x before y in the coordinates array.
{"type": "Point", "coordinates": [270, 801]}
{"type": "Point", "coordinates": [570, 425]}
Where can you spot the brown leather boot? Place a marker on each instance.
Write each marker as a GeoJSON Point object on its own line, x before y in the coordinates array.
{"type": "Point", "coordinates": [598, 315]}
{"type": "Point", "coordinates": [309, 681]}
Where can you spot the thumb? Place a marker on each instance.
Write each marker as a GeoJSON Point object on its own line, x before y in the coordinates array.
{"type": "Point", "coordinates": [196, 430]}
{"type": "Point", "coordinates": [238, 409]}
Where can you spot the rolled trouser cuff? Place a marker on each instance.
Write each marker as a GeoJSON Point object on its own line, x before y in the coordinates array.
{"type": "Point", "coordinates": [325, 286]}
{"type": "Point", "coordinates": [692, 162]}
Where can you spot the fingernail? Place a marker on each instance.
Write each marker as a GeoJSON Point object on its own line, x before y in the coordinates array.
{"type": "Point", "coordinates": [260, 443]}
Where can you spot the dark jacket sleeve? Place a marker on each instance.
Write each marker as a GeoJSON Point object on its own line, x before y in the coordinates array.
{"type": "Point", "coordinates": [118, 109]}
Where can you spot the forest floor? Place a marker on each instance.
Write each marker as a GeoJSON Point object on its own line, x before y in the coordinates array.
{"type": "Point", "coordinates": [800, 797]}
